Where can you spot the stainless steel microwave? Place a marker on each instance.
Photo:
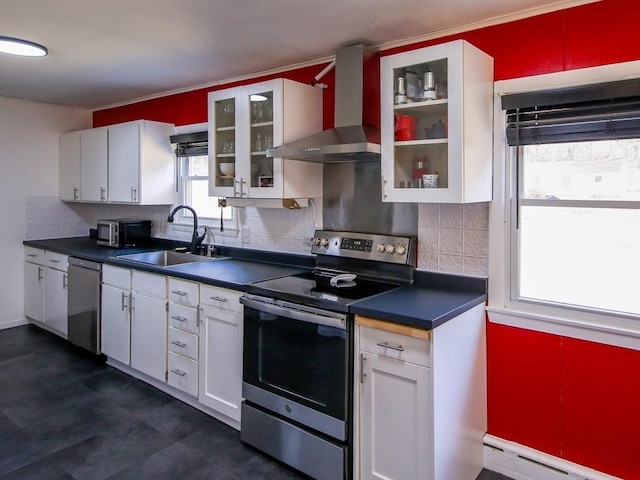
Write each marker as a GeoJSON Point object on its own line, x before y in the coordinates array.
{"type": "Point", "coordinates": [124, 233]}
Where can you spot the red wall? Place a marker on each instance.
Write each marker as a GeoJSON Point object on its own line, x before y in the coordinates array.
{"type": "Point", "coordinates": [573, 399]}
{"type": "Point", "coordinates": [191, 107]}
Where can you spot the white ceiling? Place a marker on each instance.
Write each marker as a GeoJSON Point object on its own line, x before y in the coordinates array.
{"type": "Point", "coordinates": [105, 52]}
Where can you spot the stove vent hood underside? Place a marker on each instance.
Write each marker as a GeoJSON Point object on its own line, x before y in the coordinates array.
{"type": "Point", "coordinates": [349, 140]}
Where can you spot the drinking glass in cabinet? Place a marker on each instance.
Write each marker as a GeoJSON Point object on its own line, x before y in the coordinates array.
{"type": "Point", "coordinates": [225, 113]}
{"type": "Point", "coordinates": [261, 107]}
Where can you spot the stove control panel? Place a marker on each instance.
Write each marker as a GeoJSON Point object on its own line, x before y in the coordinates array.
{"type": "Point", "coordinates": [367, 246]}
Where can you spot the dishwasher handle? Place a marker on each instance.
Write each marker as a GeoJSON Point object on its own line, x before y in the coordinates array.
{"type": "Point", "coordinates": [88, 264]}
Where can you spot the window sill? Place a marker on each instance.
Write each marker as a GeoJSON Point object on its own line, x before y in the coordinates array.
{"type": "Point", "coordinates": [623, 333]}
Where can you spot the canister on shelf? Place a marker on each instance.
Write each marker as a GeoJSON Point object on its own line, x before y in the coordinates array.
{"type": "Point", "coordinates": [429, 86]}
{"type": "Point", "coordinates": [401, 91]}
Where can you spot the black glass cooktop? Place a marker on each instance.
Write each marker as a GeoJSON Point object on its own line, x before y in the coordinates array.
{"type": "Point", "coordinates": [315, 289]}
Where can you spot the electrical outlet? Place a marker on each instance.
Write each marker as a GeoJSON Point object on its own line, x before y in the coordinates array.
{"type": "Point", "coordinates": [246, 236]}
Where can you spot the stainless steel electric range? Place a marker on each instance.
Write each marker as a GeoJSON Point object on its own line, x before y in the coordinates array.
{"type": "Point", "coordinates": [298, 349]}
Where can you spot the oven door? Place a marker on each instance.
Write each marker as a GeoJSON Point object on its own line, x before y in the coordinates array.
{"type": "Point", "coordinates": [296, 363]}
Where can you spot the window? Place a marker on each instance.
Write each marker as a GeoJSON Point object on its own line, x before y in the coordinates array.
{"type": "Point", "coordinates": [193, 184]}
{"type": "Point", "coordinates": [565, 253]}
{"type": "Point", "coordinates": [578, 230]}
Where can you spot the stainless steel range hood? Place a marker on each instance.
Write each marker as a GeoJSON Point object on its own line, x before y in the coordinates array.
{"type": "Point", "coordinates": [349, 140]}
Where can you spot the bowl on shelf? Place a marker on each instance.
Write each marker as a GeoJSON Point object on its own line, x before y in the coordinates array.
{"type": "Point", "coordinates": [227, 169]}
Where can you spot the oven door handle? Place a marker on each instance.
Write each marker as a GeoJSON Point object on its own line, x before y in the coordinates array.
{"type": "Point", "coordinates": [295, 314]}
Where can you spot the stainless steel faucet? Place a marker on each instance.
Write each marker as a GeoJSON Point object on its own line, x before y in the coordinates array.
{"type": "Point", "coordinates": [196, 239]}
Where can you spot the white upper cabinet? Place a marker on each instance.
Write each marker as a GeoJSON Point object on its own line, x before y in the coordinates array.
{"type": "Point", "coordinates": [437, 119]}
{"type": "Point", "coordinates": [141, 163]}
{"type": "Point", "coordinates": [70, 166]}
{"type": "Point", "coordinates": [93, 165]}
{"type": "Point", "coordinates": [246, 121]}
{"type": "Point", "coordinates": [125, 163]}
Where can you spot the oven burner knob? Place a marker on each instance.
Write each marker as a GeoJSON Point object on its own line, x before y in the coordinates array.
{"type": "Point", "coordinates": [287, 408]}
{"type": "Point", "coordinates": [316, 242]}
{"type": "Point", "coordinates": [389, 249]}
{"type": "Point", "coordinates": [324, 242]}
{"type": "Point", "coordinates": [401, 250]}
{"type": "Point", "coordinates": [381, 247]}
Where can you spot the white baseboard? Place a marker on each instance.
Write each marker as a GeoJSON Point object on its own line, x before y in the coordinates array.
{"type": "Point", "coordinates": [13, 323]}
{"type": "Point", "coordinates": [524, 463]}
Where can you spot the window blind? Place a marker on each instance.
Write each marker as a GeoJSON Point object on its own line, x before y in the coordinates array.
{"type": "Point", "coordinates": [605, 111]}
{"type": "Point", "coordinates": [191, 144]}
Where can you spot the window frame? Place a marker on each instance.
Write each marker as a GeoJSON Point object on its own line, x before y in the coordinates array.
{"type": "Point", "coordinates": [183, 219]}
{"type": "Point", "coordinates": [584, 323]}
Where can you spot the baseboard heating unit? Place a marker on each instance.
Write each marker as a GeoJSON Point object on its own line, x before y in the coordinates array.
{"type": "Point", "coordinates": [524, 463]}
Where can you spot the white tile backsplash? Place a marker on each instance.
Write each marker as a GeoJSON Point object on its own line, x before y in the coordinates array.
{"type": "Point", "coordinates": [454, 238]}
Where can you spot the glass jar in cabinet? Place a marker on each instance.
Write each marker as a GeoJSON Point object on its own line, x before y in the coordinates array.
{"type": "Point", "coordinates": [437, 145]}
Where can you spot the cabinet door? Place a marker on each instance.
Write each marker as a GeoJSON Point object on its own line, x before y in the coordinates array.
{"type": "Point", "coordinates": [116, 324]}
{"type": "Point", "coordinates": [225, 143]}
{"type": "Point", "coordinates": [149, 336]}
{"type": "Point", "coordinates": [34, 291]}
{"type": "Point", "coordinates": [55, 304]}
{"type": "Point", "coordinates": [221, 361]}
{"type": "Point", "coordinates": [395, 419]}
{"type": "Point", "coordinates": [70, 166]}
{"type": "Point", "coordinates": [124, 162]}
{"type": "Point", "coordinates": [263, 122]}
{"type": "Point", "coordinates": [93, 165]}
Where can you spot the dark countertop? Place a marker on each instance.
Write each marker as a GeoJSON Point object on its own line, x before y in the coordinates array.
{"type": "Point", "coordinates": [247, 267]}
{"type": "Point", "coordinates": [430, 301]}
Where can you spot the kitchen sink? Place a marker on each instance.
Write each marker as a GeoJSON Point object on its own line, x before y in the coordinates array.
{"type": "Point", "coordinates": [168, 258]}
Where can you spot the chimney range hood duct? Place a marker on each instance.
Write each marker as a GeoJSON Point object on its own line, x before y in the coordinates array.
{"type": "Point", "coordinates": [349, 140]}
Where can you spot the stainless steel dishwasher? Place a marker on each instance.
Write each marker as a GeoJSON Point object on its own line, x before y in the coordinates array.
{"type": "Point", "coordinates": [83, 295]}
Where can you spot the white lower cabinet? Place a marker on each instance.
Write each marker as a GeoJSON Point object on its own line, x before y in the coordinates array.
{"type": "Point", "coordinates": [182, 343]}
{"type": "Point", "coordinates": [394, 410]}
{"type": "Point", "coordinates": [420, 408]}
{"type": "Point", "coordinates": [149, 324]}
{"type": "Point", "coordinates": [180, 332]}
{"type": "Point", "coordinates": [34, 284]}
{"type": "Point", "coordinates": [182, 373]}
{"type": "Point", "coordinates": [46, 289]}
{"type": "Point", "coordinates": [116, 313]}
{"type": "Point", "coordinates": [221, 350]}
{"type": "Point", "coordinates": [55, 297]}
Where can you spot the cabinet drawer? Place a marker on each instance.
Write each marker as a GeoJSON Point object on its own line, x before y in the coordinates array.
{"type": "Point", "coordinates": [34, 255]}
{"type": "Point", "coordinates": [57, 261]}
{"type": "Point", "coordinates": [221, 298]}
{"type": "Point", "coordinates": [393, 345]}
{"type": "Point", "coordinates": [183, 292]}
{"type": "Point", "coordinates": [183, 318]}
{"type": "Point", "coordinates": [116, 277]}
{"type": "Point", "coordinates": [182, 373]}
{"type": "Point", "coordinates": [149, 284]}
{"type": "Point", "coordinates": [183, 343]}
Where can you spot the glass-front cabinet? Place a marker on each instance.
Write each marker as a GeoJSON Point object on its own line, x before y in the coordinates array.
{"type": "Point", "coordinates": [437, 124]}
{"type": "Point", "coordinates": [246, 121]}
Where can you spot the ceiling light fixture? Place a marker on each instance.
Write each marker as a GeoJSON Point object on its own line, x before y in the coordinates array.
{"type": "Point", "coordinates": [258, 98]}
{"type": "Point", "coordinates": [16, 46]}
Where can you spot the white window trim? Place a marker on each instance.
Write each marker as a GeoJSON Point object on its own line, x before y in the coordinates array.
{"type": "Point", "coordinates": [597, 327]}
{"type": "Point", "coordinates": [185, 224]}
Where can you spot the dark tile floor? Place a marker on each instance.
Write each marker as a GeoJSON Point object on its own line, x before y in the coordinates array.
{"type": "Point", "coordinates": [65, 416]}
